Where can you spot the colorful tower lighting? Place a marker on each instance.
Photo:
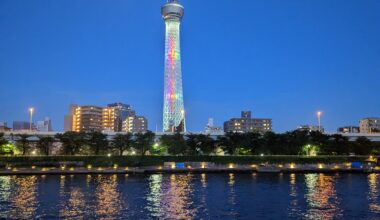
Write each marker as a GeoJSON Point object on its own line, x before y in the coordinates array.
{"type": "Point", "coordinates": [174, 111]}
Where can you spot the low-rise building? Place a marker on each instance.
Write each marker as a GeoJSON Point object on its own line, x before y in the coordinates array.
{"type": "Point", "coordinates": [135, 124]}
{"type": "Point", "coordinates": [370, 125]}
{"type": "Point", "coordinates": [248, 124]}
{"type": "Point", "coordinates": [349, 129]}
{"type": "Point", "coordinates": [4, 127]}
{"type": "Point", "coordinates": [45, 125]}
{"type": "Point", "coordinates": [311, 128]}
{"type": "Point", "coordinates": [22, 126]}
{"type": "Point", "coordinates": [211, 129]}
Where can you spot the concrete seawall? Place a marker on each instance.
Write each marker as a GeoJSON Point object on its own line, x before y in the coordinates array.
{"type": "Point", "coordinates": [172, 167]}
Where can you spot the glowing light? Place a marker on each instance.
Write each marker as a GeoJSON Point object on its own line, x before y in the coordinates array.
{"type": "Point", "coordinates": [292, 166]}
{"type": "Point", "coordinates": [173, 115]}
{"type": "Point", "coordinates": [89, 166]}
{"type": "Point", "coordinates": [108, 155]}
{"type": "Point", "coordinates": [320, 166]}
{"type": "Point", "coordinates": [203, 165]}
{"type": "Point", "coordinates": [231, 166]}
{"type": "Point", "coordinates": [115, 166]}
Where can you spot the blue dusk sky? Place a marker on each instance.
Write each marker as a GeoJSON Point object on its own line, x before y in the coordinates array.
{"type": "Point", "coordinates": [282, 59]}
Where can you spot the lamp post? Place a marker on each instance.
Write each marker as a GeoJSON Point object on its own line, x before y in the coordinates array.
{"type": "Point", "coordinates": [319, 113]}
{"type": "Point", "coordinates": [31, 110]}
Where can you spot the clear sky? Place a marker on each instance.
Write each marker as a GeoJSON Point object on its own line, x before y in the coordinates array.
{"type": "Point", "coordinates": [282, 59]}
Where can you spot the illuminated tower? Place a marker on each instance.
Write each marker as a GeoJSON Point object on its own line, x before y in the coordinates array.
{"type": "Point", "coordinates": [174, 112]}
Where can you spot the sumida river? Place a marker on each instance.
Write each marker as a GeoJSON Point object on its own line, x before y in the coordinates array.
{"type": "Point", "coordinates": [191, 196]}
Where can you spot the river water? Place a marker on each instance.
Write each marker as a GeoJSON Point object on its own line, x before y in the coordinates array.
{"type": "Point", "coordinates": [191, 196]}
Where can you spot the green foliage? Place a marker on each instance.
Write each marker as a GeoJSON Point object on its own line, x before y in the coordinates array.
{"type": "Point", "coordinates": [199, 144]}
{"type": "Point", "coordinates": [23, 143]}
{"type": "Point", "coordinates": [45, 144]}
{"type": "Point", "coordinates": [97, 141]}
{"type": "Point", "coordinates": [122, 142]}
{"type": "Point", "coordinates": [144, 142]}
{"type": "Point", "coordinates": [72, 142]}
{"type": "Point", "coordinates": [175, 143]}
{"type": "Point", "coordinates": [310, 150]}
{"type": "Point", "coordinates": [7, 149]}
{"type": "Point", "coordinates": [2, 139]}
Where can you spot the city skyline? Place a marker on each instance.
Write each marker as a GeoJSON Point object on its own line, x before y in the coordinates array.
{"type": "Point", "coordinates": [331, 65]}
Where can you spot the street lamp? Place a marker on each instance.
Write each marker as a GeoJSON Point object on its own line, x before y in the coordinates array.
{"type": "Point", "coordinates": [31, 110]}
{"type": "Point", "coordinates": [319, 113]}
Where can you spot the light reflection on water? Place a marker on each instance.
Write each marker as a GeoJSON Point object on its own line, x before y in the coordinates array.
{"type": "Point", "coordinates": [23, 197]}
{"type": "Point", "coordinates": [321, 197]}
{"type": "Point", "coordinates": [373, 194]}
{"type": "Point", "coordinates": [191, 196]}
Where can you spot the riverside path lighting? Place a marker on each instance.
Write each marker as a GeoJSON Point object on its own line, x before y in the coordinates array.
{"type": "Point", "coordinates": [31, 111]}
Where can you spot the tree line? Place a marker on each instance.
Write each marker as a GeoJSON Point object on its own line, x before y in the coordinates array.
{"type": "Point", "coordinates": [269, 143]}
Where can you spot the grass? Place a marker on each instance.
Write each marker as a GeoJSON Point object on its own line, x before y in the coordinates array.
{"type": "Point", "coordinates": [159, 160]}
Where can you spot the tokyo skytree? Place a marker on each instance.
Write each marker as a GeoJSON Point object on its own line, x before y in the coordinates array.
{"type": "Point", "coordinates": [174, 111]}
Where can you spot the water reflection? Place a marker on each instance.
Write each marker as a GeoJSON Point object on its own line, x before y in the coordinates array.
{"type": "Point", "coordinates": [75, 206]}
{"type": "Point", "coordinates": [232, 195]}
{"type": "Point", "coordinates": [322, 201]}
{"type": "Point", "coordinates": [108, 198]}
{"type": "Point", "coordinates": [175, 200]}
{"type": "Point", "coordinates": [294, 209]}
{"type": "Point", "coordinates": [23, 197]}
{"type": "Point", "coordinates": [154, 195]}
{"type": "Point", "coordinates": [5, 186]}
{"type": "Point", "coordinates": [373, 194]}
{"type": "Point", "coordinates": [203, 180]}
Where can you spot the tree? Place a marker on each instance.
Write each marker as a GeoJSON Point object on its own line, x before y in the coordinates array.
{"type": "Point", "coordinates": [234, 143]}
{"type": "Point", "coordinates": [144, 142]}
{"type": "Point", "coordinates": [122, 142]}
{"type": "Point", "coordinates": [363, 146]}
{"type": "Point", "coordinates": [45, 143]}
{"type": "Point", "coordinates": [175, 143]}
{"type": "Point", "coordinates": [23, 142]}
{"type": "Point", "coordinates": [199, 144]}
{"type": "Point", "coordinates": [71, 141]}
{"type": "Point", "coordinates": [97, 141]}
{"type": "Point", "coordinates": [3, 141]}
{"type": "Point", "coordinates": [337, 144]}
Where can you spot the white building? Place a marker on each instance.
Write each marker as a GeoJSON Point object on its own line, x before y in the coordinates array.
{"type": "Point", "coordinates": [370, 125]}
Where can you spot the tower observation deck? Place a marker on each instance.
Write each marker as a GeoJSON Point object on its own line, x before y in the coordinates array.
{"type": "Point", "coordinates": [174, 111]}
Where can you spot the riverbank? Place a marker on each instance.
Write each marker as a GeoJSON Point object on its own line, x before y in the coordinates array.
{"type": "Point", "coordinates": [191, 167]}
{"type": "Point", "coordinates": [67, 165]}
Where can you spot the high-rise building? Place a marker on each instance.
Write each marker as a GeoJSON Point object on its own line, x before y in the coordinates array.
{"type": "Point", "coordinates": [174, 111]}
{"type": "Point", "coordinates": [247, 124]}
{"type": "Point", "coordinates": [122, 111]}
{"type": "Point", "coordinates": [115, 117]}
{"type": "Point", "coordinates": [108, 119]}
{"type": "Point", "coordinates": [88, 118]}
{"type": "Point", "coordinates": [135, 124]}
{"type": "Point", "coordinates": [45, 125]}
{"type": "Point", "coordinates": [370, 125]}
